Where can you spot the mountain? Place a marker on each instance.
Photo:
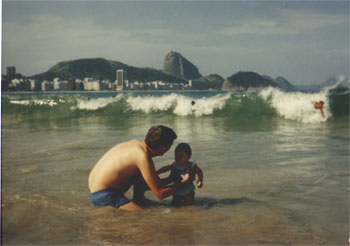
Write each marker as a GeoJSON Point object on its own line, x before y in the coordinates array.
{"type": "Point", "coordinates": [100, 68]}
{"type": "Point", "coordinates": [283, 83]}
{"type": "Point", "coordinates": [246, 80]}
{"type": "Point", "coordinates": [212, 81]}
{"type": "Point", "coordinates": [177, 65]}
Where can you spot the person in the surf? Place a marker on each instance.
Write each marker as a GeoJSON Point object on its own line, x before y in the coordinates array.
{"type": "Point", "coordinates": [319, 105]}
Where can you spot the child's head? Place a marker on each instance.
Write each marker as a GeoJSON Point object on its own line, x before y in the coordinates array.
{"type": "Point", "coordinates": [183, 153]}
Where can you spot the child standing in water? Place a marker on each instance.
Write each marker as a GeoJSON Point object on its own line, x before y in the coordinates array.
{"type": "Point", "coordinates": [183, 170]}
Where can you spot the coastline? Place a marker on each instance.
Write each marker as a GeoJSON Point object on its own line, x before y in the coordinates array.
{"type": "Point", "coordinates": [102, 92]}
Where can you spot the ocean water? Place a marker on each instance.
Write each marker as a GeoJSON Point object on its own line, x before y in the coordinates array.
{"type": "Point", "coordinates": [275, 171]}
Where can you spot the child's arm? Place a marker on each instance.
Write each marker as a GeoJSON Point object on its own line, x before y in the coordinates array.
{"type": "Point", "coordinates": [199, 172]}
{"type": "Point", "coordinates": [165, 168]}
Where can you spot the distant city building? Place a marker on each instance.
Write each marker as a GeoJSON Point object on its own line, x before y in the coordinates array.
{"type": "Point", "coordinates": [91, 85]}
{"type": "Point", "coordinates": [79, 86]}
{"type": "Point", "coordinates": [105, 85]}
{"type": "Point", "coordinates": [35, 85]}
{"type": "Point", "coordinates": [11, 72]}
{"type": "Point", "coordinates": [15, 82]}
{"type": "Point", "coordinates": [190, 83]}
{"type": "Point", "coordinates": [120, 79]}
{"type": "Point", "coordinates": [56, 84]}
{"type": "Point", "coordinates": [88, 79]}
{"type": "Point", "coordinates": [72, 84]}
{"type": "Point", "coordinates": [64, 86]}
{"type": "Point", "coordinates": [47, 86]}
{"type": "Point", "coordinates": [126, 83]}
{"type": "Point", "coordinates": [155, 85]}
{"type": "Point", "coordinates": [135, 86]}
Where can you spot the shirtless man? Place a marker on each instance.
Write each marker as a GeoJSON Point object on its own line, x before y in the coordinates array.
{"type": "Point", "coordinates": [319, 105]}
{"type": "Point", "coordinates": [127, 164]}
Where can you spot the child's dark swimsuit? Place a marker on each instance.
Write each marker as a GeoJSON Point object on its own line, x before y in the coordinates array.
{"type": "Point", "coordinates": [108, 197]}
{"type": "Point", "coordinates": [179, 175]}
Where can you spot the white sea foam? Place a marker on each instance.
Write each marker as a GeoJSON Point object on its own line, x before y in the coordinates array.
{"type": "Point", "coordinates": [96, 103]}
{"type": "Point", "coordinates": [35, 102]}
{"type": "Point", "coordinates": [152, 104]}
{"type": "Point", "coordinates": [179, 104]}
{"type": "Point", "coordinates": [202, 106]}
{"type": "Point", "coordinates": [298, 106]}
{"type": "Point", "coordinates": [340, 80]}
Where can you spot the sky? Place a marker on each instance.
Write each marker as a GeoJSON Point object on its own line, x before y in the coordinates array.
{"type": "Point", "coordinates": [306, 42]}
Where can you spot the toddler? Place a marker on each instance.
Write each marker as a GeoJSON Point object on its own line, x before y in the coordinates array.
{"type": "Point", "coordinates": [183, 170]}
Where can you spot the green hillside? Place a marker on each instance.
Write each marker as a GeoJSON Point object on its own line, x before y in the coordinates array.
{"type": "Point", "coordinates": [101, 69]}
{"type": "Point", "coordinates": [247, 80]}
{"type": "Point", "coordinates": [212, 81]}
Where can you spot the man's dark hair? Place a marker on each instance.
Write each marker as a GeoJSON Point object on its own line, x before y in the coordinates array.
{"type": "Point", "coordinates": [160, 136]}
{"type": "Point", "coordinates": [185, 148]}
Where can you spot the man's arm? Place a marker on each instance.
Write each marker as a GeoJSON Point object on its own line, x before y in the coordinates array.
{"type": "Point", "coordinates": [152, 179]}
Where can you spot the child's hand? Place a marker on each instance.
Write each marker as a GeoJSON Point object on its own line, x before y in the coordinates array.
{"type": "Point", "coordinates": [199, 184]}
{"type": "Point", "coordinates": [186, 178]}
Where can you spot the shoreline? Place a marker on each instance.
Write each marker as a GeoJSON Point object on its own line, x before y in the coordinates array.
{"type": "Point", "coordinates": [87, 92]}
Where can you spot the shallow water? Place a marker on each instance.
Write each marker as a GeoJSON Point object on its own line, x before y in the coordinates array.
{"type": "Point", "coordinates": [272, 180]}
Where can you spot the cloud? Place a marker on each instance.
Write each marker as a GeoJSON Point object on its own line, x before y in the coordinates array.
{"type": "Point", "coordinates": [84, 32]}
{"type": "Point", "coordinates": [288, 23]}
{"type": "Point", "coordinates": [58, 37]}
{"type": "Point", "coordinates": [44, 40]}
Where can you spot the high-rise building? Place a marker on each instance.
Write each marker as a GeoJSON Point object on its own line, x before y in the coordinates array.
{"type": "Point", "coordinates": [121, 78]}
{"type": "Point", "coordinates": [190, 83]}
{"type": "Point", "coordinates": [72, 83]}
{"type": "Point", "coordinates": [11, 72]}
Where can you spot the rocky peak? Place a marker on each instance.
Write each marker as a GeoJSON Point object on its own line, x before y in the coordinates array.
{"type": "Point", "coordinates": [176, 64]}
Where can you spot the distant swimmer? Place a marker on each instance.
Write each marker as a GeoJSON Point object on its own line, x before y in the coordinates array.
{"type": "Point", "coordinates": [319, 105]}
{"type": "Point", "coordinates": [193, 103]}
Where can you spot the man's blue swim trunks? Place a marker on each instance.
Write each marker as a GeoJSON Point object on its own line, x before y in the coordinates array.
{"type": "Point", "coordinates": [108, 197]}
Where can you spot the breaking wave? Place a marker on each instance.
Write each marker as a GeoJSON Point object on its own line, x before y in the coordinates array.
{"type": "Point", "coordinates": [268, 103]}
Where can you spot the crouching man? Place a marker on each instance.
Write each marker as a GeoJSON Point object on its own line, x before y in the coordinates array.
{"type": "Point", "coordinates": [130, 163]}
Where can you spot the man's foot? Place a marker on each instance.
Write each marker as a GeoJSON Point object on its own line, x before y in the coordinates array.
{"type": "Point", "coordinates": [131, 206]}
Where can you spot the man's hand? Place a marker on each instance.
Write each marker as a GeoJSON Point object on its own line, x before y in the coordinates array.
{"type": "Point", "coordinates": [199, 184]}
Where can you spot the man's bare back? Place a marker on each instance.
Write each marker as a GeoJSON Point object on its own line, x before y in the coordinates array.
{"type": "Point", "coordinates": [119, 163]}
{"type": "Point", "coordinates": [129, 162]}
